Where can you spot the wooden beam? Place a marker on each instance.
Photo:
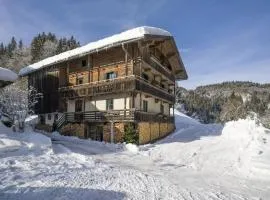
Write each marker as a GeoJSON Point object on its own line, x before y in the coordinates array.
{"type": "Point", "coordinates": [147, 69]}
{"type": "Point", "coordinates": [158, 42]}
{"type": "Point", "coordinates": [145, 43]}
{"type": "Point", "coordinates": [170, 54]}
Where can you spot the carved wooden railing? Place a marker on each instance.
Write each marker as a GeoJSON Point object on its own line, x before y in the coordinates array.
{"type": "Point", "coordinates": [152, 61]}
{"type": "Point", "coordinates": [121, 84]}
{"type": "Point", "coordinates": [118, 85]}
{"type": "Point", "coordinates": [153, 117]}
{"type": "Point", "coordinates": [144, 86]}
{"type": "Point", "coordinates": [116, 115]}
{"type": "Point", "coordinates": [96, 116]}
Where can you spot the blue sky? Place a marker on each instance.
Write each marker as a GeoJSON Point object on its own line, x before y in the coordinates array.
{"type": "Point", "coordinates": [219, 40]}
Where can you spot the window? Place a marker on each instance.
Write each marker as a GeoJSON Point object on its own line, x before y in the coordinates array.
{"type": "Point", "coordinates": [79, 80]}
{"type": "Point", "coordinates": [109, 104]}
{"type": "Point", "coordinates": [145, 76]}
{"type": "Point", "coordinates": [111, 75]}
{"type": "Point", "coordinates": [78, 105]}
{"type": "Point", "coordinates": [162, 85]}
{"type": "Point", "coordinates": [84, 63]}
{"type": "Point", "coordinates": [49, 117]}
{"type": "Point", "coordinates": [161, 108]}
{"type": "Point", "coordinates": [56, 116]}
{"type": "Point", "coordinates": [145, 106]}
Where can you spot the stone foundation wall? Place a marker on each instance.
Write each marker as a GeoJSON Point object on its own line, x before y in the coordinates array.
{"type": "Point", "coordinates": [73, 129]}
{"type": "Point", "coordinates": [148, 131]}
{"type": "Point", "coordinates": [119, 131]}
{"type": "Point", "coordinates": [144, 132]}
{"type": "Point", "coordinates": [152, 131]}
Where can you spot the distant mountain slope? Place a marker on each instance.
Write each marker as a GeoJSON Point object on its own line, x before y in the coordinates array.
{"type": "Point", "coordinates": [226, 101]}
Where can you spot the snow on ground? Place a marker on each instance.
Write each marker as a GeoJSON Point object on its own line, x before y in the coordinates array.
{"type": "Point", "coordinates": [12, 144]}
{"type": "Point", "coordinates": [197, 161]}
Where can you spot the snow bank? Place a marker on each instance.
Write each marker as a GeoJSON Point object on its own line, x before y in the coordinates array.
{"type": "Point", "coordinates": [247, 145]}
{"type": "Point", "coordinates": [129, 35]}
{"type": "Point", "coordinates": [7, 75]}
{"type": "Point", "coordinates": [132, 148]}
{"type": "Point", "coordinates": [27, 141]}
{"type": "Point", "coordinates": [239, 147]}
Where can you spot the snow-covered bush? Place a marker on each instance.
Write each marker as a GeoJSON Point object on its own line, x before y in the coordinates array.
{"type": "Point", "coordinates": [17, 104]}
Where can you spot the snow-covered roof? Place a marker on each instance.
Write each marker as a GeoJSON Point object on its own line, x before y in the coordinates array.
{"type": "Point", "coordinates": [7, 75]}
{"type": "Point", "coordinates": [129, 35]}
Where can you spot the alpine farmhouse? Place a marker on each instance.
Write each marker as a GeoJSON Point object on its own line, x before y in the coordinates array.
{"type": "Point", "coordinates": [97, 90]}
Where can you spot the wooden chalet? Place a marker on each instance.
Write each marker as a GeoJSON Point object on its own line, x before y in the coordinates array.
{"type": "Point", "coordinates": [96, 90]}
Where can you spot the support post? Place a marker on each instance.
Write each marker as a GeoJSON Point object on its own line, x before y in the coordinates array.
{"type": "Point", "coordinates": [112, 133]}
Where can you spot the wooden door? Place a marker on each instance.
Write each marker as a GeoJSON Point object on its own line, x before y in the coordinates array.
{"type": "Point", "coordinates": [99, 133]}
{"type": "Point", "coordinates": [78, 110]}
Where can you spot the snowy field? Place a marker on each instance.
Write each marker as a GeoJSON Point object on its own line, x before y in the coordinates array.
{"type": "Point", "coordinates": [197, 161]}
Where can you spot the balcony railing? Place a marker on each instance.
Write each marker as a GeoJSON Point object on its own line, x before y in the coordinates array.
{"type": "Point", "coordinates": [118, 85]}
{"type": "Point", "coordinates": [116, 115]}
{"type": "Point", "coordinates": [152, 61]}
{"type": "Point", "coordinates": [100, 116]}
{"type": "Point", "coordinates": [144, 86]}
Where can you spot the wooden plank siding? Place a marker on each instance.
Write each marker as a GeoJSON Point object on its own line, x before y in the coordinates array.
{"type": "Point", "coordinates": [46, 82]}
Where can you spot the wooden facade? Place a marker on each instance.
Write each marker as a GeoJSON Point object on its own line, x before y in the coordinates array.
{"type": "Point", "coordinates": [128, 83]}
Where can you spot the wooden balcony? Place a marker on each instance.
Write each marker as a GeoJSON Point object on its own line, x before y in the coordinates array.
{"type": "Point", "coordinates": [116, 116]}
{"type": "Point", "coordinates": [118, 85]}
{"type": "Point", "coordinates": [146, 87]}
{"type": "Point", "coordinates": [154, 63]}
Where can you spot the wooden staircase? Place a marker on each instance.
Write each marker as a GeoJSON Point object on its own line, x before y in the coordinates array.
{"type": "Point", "coordinates": [61, 121]}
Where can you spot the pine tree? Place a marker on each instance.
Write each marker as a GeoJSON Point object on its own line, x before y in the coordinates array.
{"type": "Point", "coordinates": [131, 135]}
{"type": "Point", "coordinates": [2, 49]}
{"type": "Point", "coordinates": [20, 44]}
{"type": "Point", "coordinates": [13, 44]}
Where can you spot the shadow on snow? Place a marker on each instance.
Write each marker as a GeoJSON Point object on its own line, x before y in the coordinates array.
{"type": "Point", "coordinates": [33, 193]}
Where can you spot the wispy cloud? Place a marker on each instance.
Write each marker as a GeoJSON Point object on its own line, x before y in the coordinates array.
{"type": "Point", "coordinates": [240, 55]}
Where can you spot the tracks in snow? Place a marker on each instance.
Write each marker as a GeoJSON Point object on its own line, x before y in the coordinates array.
{"type": "Point", "coordinates": [145, 179]}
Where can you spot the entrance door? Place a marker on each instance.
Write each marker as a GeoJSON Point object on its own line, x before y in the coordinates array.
{"type": "Point", "coordinates": [78, 110]}
{"type": "Point", "coordinates": [78, 105]}
{"type": "Point", "coordinates": [95, 132]}
{"type": "Point", "coordinates": [99, 133]}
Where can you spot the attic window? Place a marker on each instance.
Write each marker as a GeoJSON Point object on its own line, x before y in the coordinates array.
{"type": "Point", "coordinates": [84, 63]}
